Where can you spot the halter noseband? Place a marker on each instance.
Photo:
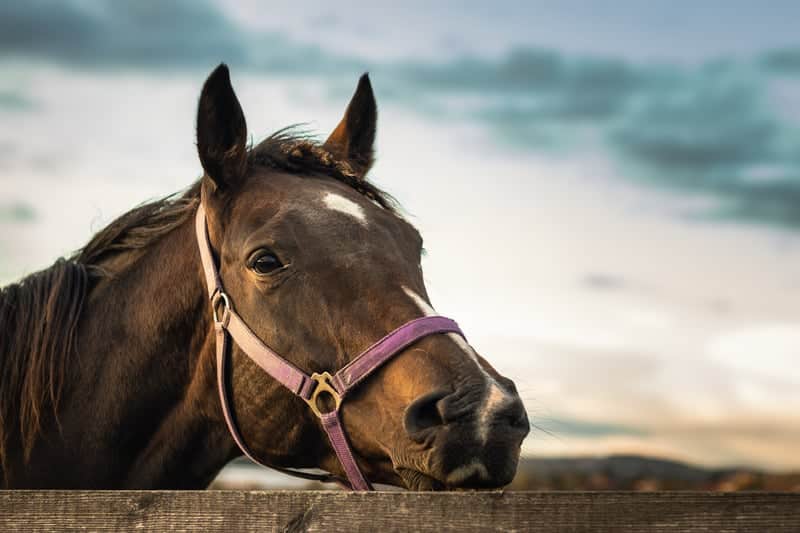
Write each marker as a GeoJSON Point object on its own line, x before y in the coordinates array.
{"type": "Point", "coordinates": [228, 324]}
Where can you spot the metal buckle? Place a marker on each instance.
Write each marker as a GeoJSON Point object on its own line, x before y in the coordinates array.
{"type": "Point", "coordinates": [220, 298]}
{"type": "Point", "coordinates": [324, 384]}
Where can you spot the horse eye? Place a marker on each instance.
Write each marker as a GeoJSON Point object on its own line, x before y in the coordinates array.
{"type": "Point", "coordinates": [265, 262]}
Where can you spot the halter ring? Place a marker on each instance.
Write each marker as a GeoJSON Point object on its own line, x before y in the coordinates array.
{"type": "Point", "coordinates": [221, 299]}
{"type": "Point", "coordinates": [324, 385]}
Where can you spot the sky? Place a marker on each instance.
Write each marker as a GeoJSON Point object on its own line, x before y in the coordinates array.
{"type": "Point", "coordinates": [609, 192]}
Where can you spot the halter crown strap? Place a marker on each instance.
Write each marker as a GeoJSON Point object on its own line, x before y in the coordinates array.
{"type": "Point", "coordinates": [228, 324]}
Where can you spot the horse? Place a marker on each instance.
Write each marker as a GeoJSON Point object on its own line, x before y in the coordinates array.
{"type": "Point", "coordinates": [109, 375]}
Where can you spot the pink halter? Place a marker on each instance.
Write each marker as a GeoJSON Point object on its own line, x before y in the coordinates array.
{"type": "Point", "coordinates": [230, 325]}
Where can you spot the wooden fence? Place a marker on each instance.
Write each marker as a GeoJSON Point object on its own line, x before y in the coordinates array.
{"type": "Point", "coordinates": [230, 511]}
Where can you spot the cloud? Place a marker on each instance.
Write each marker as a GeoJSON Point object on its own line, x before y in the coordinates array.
{"type": "Point", "coordinates": [710, 130]}
{"type": "Point", "coordinates": [124, 33]}
{"type": "Point", "coordinates": [17, 212]}
{"type": "Point", "coordinates": [777, 346]}
{"type": "Point", "coordinates": [781, 61]}
{"type": "Point", "coordinates": [711, 411]}
{"type": "Point", "coordinates": [603, 281]}
{"type": "Point", "coordinates": [14, 101]}
{"type": "Point", "coordinates": [531, 98]}
{"type": "Point", "coordinates": [524, 69]}
{"type": "Point", "coordinates": [8, 151]}
{"type": "Point", "coordinates": [714, 132]}
{"type": "Point", "coordinates": [152, 35]}
{"type": "Point", "coordinates": [574, 427]}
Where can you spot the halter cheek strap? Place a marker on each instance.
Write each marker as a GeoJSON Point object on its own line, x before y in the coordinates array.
{"type": "Point", "coordinates": [229, 325]}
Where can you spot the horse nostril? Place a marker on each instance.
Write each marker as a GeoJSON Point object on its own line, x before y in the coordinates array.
{"type": "Point", "coordinates": [516, 417]}
{"type": "Point", "coordinates": [423, 413]}
{"type": "Point", "coordinates": [520, 421]}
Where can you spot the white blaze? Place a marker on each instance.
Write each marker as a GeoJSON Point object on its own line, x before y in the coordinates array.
{"type": "Point", "coordinates": [339, 203]}
{"type": "Point", "coordinates": [467, 471]}
{"type": "Point", "coordinates": [494, 400]}
{"type": "Point", "coordinates": [495, 396]}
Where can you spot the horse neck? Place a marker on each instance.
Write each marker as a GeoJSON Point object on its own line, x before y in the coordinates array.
{"type": "Point", "coordinates": [155, 415]}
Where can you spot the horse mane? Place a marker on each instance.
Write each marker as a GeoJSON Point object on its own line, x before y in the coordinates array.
{"type": "Point", "coordinates": [39, 315]}
{"type": "Point", "coordinates": [38, 320]}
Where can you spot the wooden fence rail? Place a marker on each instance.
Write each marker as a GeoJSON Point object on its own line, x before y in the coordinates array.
{"type": "Point", "coordinates": [230, 511]}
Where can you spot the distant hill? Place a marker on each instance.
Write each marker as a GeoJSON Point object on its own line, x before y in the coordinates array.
{"type": "Point", "coordinates": [631, 472]}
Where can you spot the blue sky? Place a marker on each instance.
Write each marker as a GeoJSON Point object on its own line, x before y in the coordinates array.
{"type": "Point", "coordinates": [681, 31]}
{"type": "Point", "coordinates": [630, 167]}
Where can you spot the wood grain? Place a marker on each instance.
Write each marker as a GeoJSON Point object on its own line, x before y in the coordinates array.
{"type": "Point", "coordinates": [229, 511]}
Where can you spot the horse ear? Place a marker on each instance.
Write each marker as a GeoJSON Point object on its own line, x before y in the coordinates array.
{"type": "Point", "coordinates": [353, 138]}
{"type": "Point", "coordinates": [221, 131]}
